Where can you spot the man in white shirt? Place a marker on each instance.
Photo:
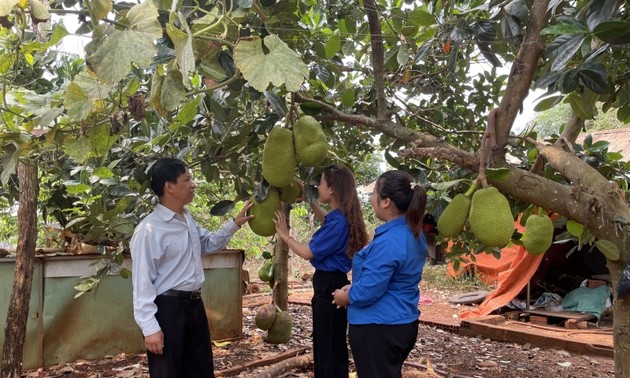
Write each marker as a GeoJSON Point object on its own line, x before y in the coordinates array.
{"type": "Point", "coordinates": [167, 274]}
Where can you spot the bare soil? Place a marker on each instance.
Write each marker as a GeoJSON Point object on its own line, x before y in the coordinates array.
{"type": "Point", "coordinates": [438, 353]}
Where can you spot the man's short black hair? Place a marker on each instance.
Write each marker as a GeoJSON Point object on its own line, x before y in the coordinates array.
{"type": "Point", "coordinates": [165, 170]}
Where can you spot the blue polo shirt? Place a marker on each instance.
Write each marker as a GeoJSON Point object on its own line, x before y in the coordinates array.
{"type": "Point", "coordinates": [385, 276]}
{"type": "Point", "coordinates": [329, 244]}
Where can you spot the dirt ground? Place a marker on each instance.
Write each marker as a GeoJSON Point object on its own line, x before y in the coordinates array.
{"type": "Point", "coordinates": [438, 352]}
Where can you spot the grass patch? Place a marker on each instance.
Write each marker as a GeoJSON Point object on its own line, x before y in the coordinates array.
{"type": "Point", "coordinates": [434, 277]}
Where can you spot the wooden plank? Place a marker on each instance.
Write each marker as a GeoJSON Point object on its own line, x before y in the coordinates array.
{"type": "Point", "coordinates": [583, 342]}
{"type": "Point", "coordinates": [561, 314]}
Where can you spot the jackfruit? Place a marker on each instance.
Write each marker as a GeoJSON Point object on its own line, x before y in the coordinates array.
{"type": "Point", "coordinates": [278, 161]}
{"type": "Point", "coordinates": [280, 331]}
{"type": "Point", "coordinates": [490, 217]}
{"type": "Point", "coordinates": [290, 192]}
{"type": "Point", "coordinates": [265, 316]}
{"type": "Point", "coordinates": [455, 215]}
{"type": "Point", "coordinates": [311, 144]}
{"type": "Point", "coordinates": [266, 271]}
{"type": "Point", "coordinates": [264, 213]}
{"type": "Point", "coordinates": [539, 234]}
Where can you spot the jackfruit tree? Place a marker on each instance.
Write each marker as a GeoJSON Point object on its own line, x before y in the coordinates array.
{"type": "Point", "coordinates": [209, 82]}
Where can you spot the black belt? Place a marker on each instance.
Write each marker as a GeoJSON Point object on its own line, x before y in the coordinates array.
{"type": "Point", "coordinates": [183, 294]}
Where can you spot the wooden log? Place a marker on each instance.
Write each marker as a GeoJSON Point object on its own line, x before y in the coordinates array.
{"type": "Point", "coordinates": [262, 362]}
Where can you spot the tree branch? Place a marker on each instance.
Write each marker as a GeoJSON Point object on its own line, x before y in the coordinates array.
{"type": "Point", "coordinates": [377, 55]}
{"type": "Point", "coordinates": [522, 72]}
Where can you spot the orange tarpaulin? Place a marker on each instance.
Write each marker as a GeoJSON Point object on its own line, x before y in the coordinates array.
{"type": "Point", "coordinates": [511, 272]}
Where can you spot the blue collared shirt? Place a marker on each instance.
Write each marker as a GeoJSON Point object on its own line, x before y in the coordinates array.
{"type": "Point", "coordinates": [385, 276]}
{"type": "Point", "coordinates": [166, 254]}
{"type": "Point", "coordinates": [330, 242]}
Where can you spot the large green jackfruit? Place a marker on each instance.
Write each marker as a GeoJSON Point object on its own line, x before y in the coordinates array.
{"type": "Point", "coordinates": [490, 217]}
{"type": "Point", "coordinates": [280, 331]}
{"type": "Point", "coordinates": [264, 213]}
{"type": "Point", "coordinates": [311, 144]}
{"type": "Point", "coordinates": [290, 192]}
{"type": "Point", "coordinates": [539, 234]}
{"type": "Point", "coordinates": [454, 216]}
{"type": "Point", "coordinates": [278, 162]}
{"type": "Point", "coordinates": [265, 316]}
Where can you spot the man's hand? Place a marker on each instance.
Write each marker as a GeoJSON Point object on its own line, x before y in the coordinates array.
{"type": "Point", "coordinates": [155, 343]}
{"type": "Point", "coordinates": [242, 217]}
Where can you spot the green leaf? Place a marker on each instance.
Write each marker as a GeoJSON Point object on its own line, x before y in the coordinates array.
{"type": "Point", "coordinates": [420, 17]}
{"type": "Point", "coordinates": [100, 140]}
{"type": "Point", "coordinates": [222, 207]}
{"type": "Point", "coordinates": [564, 28]}
{"type": "Point", "coordinates": [188, 112]}
{"type": "Point", "coordinates": [403, 56]}
{"type": "Point", "coordinates": [125, 273]}
{"type": "Point", "coordinates": [613, 32]}
{"type": "Point", "coordinates": [167, 91]}
{"type": "Point", "coordinates": [518, 9]}
{"type": "Point", "coordinates": [183, 46]}
{"type": "Point", "coordinates": [77, 103]}
{"type": "Point", "coordinates": [594, 76]}
{"type": "Point", "coordinates": [78, 149]}
{"type": "Point", "coordinates": [347, 98]}
{"type": "Point", "coordinates": [280, 66]}
{"type": "Point", "coordinates": [83, 96]}
{"type": "Point", "coordinates": [583, 106]}
{"type": "Point", "coordinates": [548, 103]}
{"type": "Point", "coordinates": [623, 114]}
{"type": "Point", "coordinates": [333, 44]}
{"type": "Point", "coordinates": [10, 159]}
{"type": "Point", "coordinates": [102, 173]}
{"type": "Point", "coordinates": [77, 188]}
{"type": "Point", "coordinates": [600, 11]}
{"type": "Point", "coordinates": [565, 52]}
{"type": "Point", "coordinates": [100, 9]}
{"type": "Point", "coordinates": [575, 228]}
{"type": "Point", "coordinates": [608, 249]}
{"type": "Point", "coordinates": [112, 60]}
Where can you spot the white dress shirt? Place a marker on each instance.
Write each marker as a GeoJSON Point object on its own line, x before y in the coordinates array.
{"type": "Point", "coordinates": [166, 254]}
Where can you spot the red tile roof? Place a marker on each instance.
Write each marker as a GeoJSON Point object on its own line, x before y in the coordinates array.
{"type": "Point", "coordinates": [619, 140]}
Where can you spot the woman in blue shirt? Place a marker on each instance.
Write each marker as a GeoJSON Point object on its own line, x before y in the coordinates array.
{"type": "Point", "coordinates": [383, 299]}
{"type": "Point", "coordinates": [330, 251]}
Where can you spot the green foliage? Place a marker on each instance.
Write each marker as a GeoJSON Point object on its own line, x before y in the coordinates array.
{"type": "Point", "coordinates": [435, 277]}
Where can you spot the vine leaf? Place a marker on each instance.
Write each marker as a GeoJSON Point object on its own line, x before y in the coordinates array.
{"type": "Point", "coordinates": [280, 65]}
{"type": "Point", "coordinates": [114, 53]}
{"type": "Point", "coordinates": [84, 95]}
{"type": "Point", "coordinates": [183, 46]}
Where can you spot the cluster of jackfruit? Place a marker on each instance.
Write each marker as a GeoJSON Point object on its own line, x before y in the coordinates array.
{"type": "Point", "coordinates": [276, 322]}
{"type": "Point", "coordinates": [283, 149]}
{"type": "Point", "coordinates": [488, 215]}
{"type": "Point", "coordinates": [539, 234]}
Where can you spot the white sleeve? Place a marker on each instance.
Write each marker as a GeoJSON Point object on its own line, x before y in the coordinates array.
{"type": "Point", "coordinates": [143, 273]}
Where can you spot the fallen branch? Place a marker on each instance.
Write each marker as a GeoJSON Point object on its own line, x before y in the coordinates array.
{"type": "Point", "coordinates": [284, 366]}
{"type": "Point", "coordinates": [262, 362]}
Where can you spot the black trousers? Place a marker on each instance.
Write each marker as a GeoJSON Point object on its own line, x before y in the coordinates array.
{"type": "Point", "coordinates": [379, 350]}
{"type": "Point", "coordinates": [330, 350]}
{"type": "Point", "coordinates": [187, 349]}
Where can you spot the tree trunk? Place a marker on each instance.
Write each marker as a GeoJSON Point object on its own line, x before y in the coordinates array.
{"type": "Point", "coordinates": [621, 337]}
{"type": "Point", "coordinates": [17, 315]}
{"type": "Point", "coordinates": [281, 268]}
